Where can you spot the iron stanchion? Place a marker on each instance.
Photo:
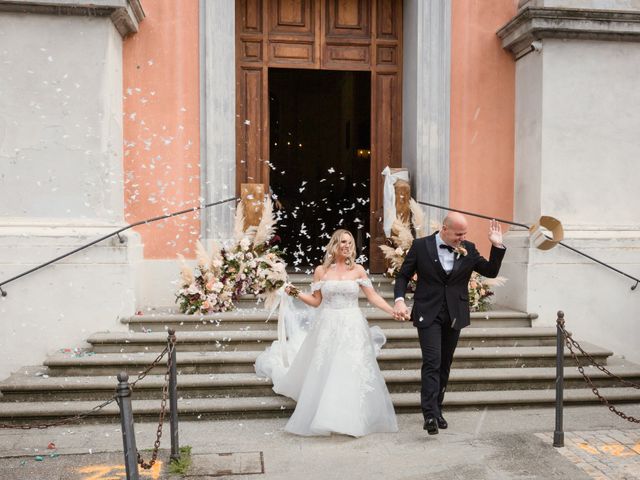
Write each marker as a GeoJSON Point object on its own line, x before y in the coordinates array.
{"type": "Point", "coordinates": [173, 396]}
{"type": "Point", "coordinates": [123, 393]}
{"type": "Point", "coordinates": [558, 434]}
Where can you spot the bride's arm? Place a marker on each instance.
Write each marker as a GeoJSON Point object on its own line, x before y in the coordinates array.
{"type": "Point", "coordinates": [313, 299]}
{"type": "Point", "coordinates": [374, 297]}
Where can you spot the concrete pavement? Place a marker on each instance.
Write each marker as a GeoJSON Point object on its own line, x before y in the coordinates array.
{"type": "Point", "coordinates": [487, 444]}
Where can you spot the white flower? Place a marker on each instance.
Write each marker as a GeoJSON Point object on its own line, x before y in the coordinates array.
{"type": "Point", "coordinates": [245, 243]}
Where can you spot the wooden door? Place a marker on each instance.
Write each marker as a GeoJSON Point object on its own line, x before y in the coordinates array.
{"type": "Point", "coordinates": [328, 35]}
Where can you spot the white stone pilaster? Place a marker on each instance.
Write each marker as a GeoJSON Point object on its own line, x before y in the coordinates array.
{"type": "Point", "coordinates": [218, 159]}
{"type": "Point", "coordinates": [61, 175]}
{"type": "Point", "coordinates": [577, 118]}
{"type": "Point", "coordinates": [426, 99]}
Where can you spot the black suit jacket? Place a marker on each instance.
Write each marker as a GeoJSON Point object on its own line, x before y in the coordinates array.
{"type": "Point", "coordinates": [434, 285]}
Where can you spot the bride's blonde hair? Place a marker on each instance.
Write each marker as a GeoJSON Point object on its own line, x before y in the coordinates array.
{"type": "Point", "coordinates": [332, 249]}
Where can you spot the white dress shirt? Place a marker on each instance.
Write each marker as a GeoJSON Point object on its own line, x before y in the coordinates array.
{"type": "Point", "coordinates": [446, 257]}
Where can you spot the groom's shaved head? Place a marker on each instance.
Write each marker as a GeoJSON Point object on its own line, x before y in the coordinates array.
{"type": "Point", "coordinates": [455, 220]}
{"type": "Point", "coordinates": [454, 229]}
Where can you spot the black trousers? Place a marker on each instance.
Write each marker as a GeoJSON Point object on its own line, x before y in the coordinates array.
{"type": "Point", "coordinates": [438, 341]}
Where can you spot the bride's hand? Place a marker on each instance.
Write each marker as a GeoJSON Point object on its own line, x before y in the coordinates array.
{"type": "Point", "coordinates": [291, 291]}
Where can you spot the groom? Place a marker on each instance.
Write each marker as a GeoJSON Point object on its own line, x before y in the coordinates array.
{"type": "Point", "coordinates": [444, 262]}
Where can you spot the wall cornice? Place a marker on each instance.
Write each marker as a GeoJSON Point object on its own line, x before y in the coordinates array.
{"type": "Point", "coordinates": [536, 23]}
{"type": "Point", "coordinates": [125, 14]}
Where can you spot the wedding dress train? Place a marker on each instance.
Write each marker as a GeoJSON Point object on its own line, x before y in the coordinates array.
{"type": "Point", "coordinates": [333, 373]}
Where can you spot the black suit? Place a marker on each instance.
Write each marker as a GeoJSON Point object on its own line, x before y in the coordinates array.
{"type": "Point", "coordinates": [440, 308]}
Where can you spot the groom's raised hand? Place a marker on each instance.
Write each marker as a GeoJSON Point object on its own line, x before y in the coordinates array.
{"type": "Point", "coordinates": [495, 234]}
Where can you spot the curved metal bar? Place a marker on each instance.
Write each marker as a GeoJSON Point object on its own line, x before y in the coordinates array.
{"type": "Point", "coordinates": [474, 214]}
{"type": "Point", "coordinates": [633, 287]}
{"type": "Point", "coordinates": [117, 233]}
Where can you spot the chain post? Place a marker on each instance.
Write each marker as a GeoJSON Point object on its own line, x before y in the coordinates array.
{"type": "Point", "coordinates": [558, 434]}
{"type": "Point", "coordinates": [123, 394]}
{"type": "Point", "coordinates": [173, 396]}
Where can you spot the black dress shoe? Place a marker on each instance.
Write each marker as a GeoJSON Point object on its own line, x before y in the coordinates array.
{"type": "Point", "coordinates": [431, 426]}
{"type": "Point", "coordinates": [442, 423]}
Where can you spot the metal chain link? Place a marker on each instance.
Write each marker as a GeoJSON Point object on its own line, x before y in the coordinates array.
{"type": "Point", "coordinates": [62, 421]}
{"type": "Point", "coordinates": [171, 343]}
{"type": "Point", "coordinates": [153, 364]}
{"type": "Point", "coordinates": [571, 343]}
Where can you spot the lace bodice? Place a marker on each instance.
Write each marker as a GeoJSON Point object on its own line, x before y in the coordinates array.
{"type": "Point", "coordinates": [340, 293]}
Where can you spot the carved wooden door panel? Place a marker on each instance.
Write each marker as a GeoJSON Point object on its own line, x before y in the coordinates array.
{"type": "Point", "coordinates": [320, 34]}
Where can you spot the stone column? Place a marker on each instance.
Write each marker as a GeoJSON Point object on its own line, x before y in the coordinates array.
{"type": "Point", "coordinates": [426, 99]}
{"type": "Point", "coordinates": [218, 140]}
{"type": "Point", "coordinates": [577, 124]}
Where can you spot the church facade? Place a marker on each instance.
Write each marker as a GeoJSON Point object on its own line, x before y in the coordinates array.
{"type": "Point", "coordinates": [125, 110]}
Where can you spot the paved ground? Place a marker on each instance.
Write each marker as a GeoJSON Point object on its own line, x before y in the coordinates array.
{"type": "Point", "coordinates": [489, 444]}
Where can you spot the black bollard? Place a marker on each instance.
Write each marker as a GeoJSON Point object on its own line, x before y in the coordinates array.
{"type": "Point", "coordinates": [558, 434]}
{"type": "Point", "coordinates": [173, 399]}
{"type": "Point", "coordinates": [123, 392]}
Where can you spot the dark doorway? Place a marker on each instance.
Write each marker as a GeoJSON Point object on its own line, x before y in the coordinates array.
{"type": "Point", "coordinates": [320, 141]}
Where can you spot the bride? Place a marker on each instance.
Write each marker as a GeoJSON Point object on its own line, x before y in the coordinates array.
{"type": "Point", "coordinates": [333, 375]}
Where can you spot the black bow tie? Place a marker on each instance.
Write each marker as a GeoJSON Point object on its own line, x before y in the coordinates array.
{"type": "Point", "coordinates": [444, 245]}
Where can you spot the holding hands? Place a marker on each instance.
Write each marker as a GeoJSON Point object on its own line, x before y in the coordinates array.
{"type": "Point", "coordinates": [400, 311]}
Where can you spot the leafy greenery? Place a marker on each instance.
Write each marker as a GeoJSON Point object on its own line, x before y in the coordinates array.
{"type": "Point", "coordinates": [181, 466]}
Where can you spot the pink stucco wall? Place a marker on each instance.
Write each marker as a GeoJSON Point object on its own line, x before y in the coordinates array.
{"type": "Point", "coordinates": [161, 126]}
{"type": "Point", "coordinates": [482, 113]}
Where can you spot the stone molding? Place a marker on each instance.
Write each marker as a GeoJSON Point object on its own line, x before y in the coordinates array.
{"type": "Point", "coordinates": [534, 23]}
{"type": "Point", "coordinates": [125, 14]}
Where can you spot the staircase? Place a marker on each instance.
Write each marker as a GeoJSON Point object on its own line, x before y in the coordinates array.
{"type": "Point", "coordinates": [501, 360]}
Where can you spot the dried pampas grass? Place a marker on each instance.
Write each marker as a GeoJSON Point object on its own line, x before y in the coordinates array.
{"type": "Point", "coordinates": [238, 224]}
{"type": "Point", "coordinates": [266, 228]}
{"type": "Point", "coordinates": [185, 272]}
{"type": "Point", "coordinates": [418, 219]}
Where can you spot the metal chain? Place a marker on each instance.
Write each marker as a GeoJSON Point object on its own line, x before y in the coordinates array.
{"type": "Point", "coordinates": [62, 421]}
{"type": "Point", "coordinates": [153, 364]}
{"type": "Point", "coordinates": [570, 343]}
{"type": "Point", "coordinates": [569, 338]}
{"type": "Point", "coordinates": [163, 406]}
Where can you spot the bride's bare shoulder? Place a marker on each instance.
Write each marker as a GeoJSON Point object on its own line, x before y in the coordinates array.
{"type": "Point", "coordinates": [359, 269]}
{"type": "Point", "coordinates": [319, 273]}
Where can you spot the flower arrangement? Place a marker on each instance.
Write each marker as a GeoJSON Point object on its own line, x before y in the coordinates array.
{"type": "Point", "coordinates": [480, 288]}
{"type": "Point", "coordinates": [252, 265]}
{"type": "Point", "coordinates": [401, 239]}
{"type": "Point", "coordinates": [255, 260]}
{"type": "Point", "coordinates": [209, 290]}
{"type": "Point", "coordinates": [480, 291]}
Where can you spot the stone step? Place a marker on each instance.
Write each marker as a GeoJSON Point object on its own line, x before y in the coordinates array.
{"type": "Point", "coordinates": [195, 341]}
{"type": "Point", "coordinates": [242, 361]}
{"type": "Point", "coordinates": [258, 319]}
{"type": "Point", "coordinates": [275, 406]}
{"type": "Point", "coordinates": [26, 386]}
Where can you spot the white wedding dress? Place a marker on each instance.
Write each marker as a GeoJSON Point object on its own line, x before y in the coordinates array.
{"type": "Point", "coordinates": [333, 373]}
